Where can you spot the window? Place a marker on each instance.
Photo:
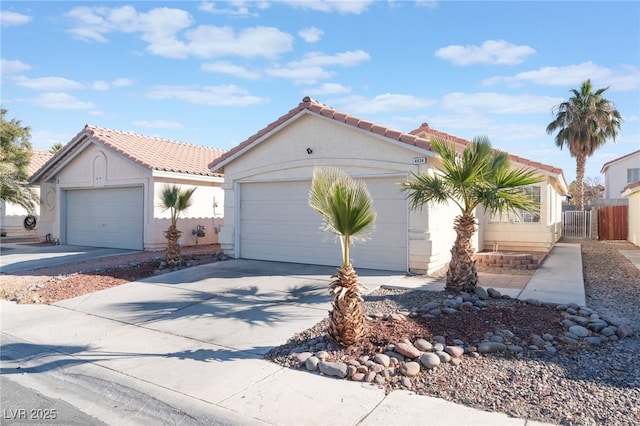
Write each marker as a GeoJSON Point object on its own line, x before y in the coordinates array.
{"type": "Point", "coordinates": [522, 216]}
{"type": "Point", "coordinates": [633, 175]}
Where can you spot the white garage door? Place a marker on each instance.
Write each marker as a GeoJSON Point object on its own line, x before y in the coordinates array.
{"type": "Point", "coordinates": [110, 217]}
{"type": "Point", "coordinates": [276, 223]}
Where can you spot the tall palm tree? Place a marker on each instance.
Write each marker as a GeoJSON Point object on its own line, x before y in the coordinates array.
{"type": "Point", "coordinates": [480, 176]}
{"type": "Point", "coordinates": [347, 209]}
{"type": "Point", "coordinates": [584, 123]}
{"type": "Point", "coordinates": [176, 200]}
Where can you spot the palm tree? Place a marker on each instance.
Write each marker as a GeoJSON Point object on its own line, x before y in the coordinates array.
{"type": "Point", "coordinates": [176, 200]}
{"type": "Point", "coordinates": [347, 209]}
{"type": "Point", "coordinates": [15, 155]}
{"type": "Point", "coordinates": [479, 176]}
{"type": "Point", "coordinates": [584, 124]}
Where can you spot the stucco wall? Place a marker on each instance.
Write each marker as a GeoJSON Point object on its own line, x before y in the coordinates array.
{"type": "Point", "coordinates": [634, 215]}
{"type": "Point", "coordinates": [615, 177]}
{"type": "Point", "coordinates": [12, 218]}
{"type": "Point", "coordinates": [284, 156]}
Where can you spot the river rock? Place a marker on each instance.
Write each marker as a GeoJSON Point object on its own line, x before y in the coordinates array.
{"type": "Point", "coordinates": [491, 347]}
{"type": "Point", "coordinates": [410, 369]}
{"type": "Point", "coordinates": [579, 331]}
{"type": "Point", "coordinates": [334, 369]}
{"type": "Point", "coordinates": [429, 359]}
{"type": "Point", "coordinates": [408, 350]}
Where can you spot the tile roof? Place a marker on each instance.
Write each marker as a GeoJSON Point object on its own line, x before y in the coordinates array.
{"type": "Point", "coordinates": [318, 108]}
{"type": "Point", "coordinates": [425, 131]}
{"type": "Point", "coordinates": [418, 138]}
{"type": "Point", "coordinates": [38, 159]}
{"type": "Point", "coordinates": [606, 165]}
{"type": "Point", "coordinates": [150, 152]}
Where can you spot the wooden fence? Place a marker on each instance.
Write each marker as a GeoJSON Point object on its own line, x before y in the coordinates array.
{"type": "Point", "coordinates": [613, 222]}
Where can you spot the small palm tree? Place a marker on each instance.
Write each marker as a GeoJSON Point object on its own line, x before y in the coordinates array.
{"type": "Point", "coordinates": [584, 123]}
{"type": "Point", "coordinates": [479, 176]}
{"type": "Point", "coordinates": [176, 200]}
{"type": "Point", "coordinates": [347, 209]}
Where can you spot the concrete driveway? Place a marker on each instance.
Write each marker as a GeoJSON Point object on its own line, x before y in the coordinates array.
{"type": "Point", "coordinates": [194, 339]}
{"type": "Point", "coordinates": [20, 257]}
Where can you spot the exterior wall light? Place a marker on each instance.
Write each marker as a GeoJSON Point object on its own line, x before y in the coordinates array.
{"type": "Point", "coordinates": [309, 151]}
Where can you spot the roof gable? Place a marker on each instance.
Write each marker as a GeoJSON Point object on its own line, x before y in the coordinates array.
{"type": "Point", "coordinates": [149, 152]}
{"type": "Point", "coordinates": [312, 106]}
{"type": "Point", "coordinates": [606, 165]}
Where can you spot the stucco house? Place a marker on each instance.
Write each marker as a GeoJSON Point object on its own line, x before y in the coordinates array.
{"type": "Point", "coordinates": [268, 176]}
{"type": "Point", "coordinates": [12, 216]}
{"type": "Point", "coordinates": [619, 173]}
{"type": "Point", "coordinates": [102, 190]}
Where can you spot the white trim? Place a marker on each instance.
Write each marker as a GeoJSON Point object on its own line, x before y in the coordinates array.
{"type": "Point", "coordinates": [186, 176]}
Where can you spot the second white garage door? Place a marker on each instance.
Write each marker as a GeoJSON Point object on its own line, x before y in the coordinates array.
{"type": "Point", "coordinates": [110, 217]}
{"type": "Point", "coordinates": [276, 223]}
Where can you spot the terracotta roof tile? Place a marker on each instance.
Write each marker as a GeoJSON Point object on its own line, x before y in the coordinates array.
{"type": "Point", "coordinates": [418, 138]}
{"type": "Point", "coordinates": [38, 159]}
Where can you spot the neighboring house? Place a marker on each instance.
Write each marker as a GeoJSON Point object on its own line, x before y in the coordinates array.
{"type": "Point", "coordinates": [619, 173]}
{"type": "Point", "coordinates": [267, 180]}
{"type": "Point", "coordinates": [632, 192]}
{"type": "Point", "coordinates": [12, 216]}
{"type": "Point", "coordinates": [102, 190]}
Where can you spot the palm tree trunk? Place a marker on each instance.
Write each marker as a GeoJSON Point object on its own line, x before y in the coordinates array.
{"type": "Point", "coordinates": [173, 259]}
{"type": "Point", "coordinates": [581, 161]}
{"type": "Point", "coordinates": [462, 274]}
{"type": "Point", "coordinates": [347, 323]}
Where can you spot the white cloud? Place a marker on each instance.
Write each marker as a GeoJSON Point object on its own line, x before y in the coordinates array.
{"type": "Point", "coordinates": [47, 83]}
{"type": "Point", "coordinates": [237, 8]}
{"type": "Point", "coordinates": [209, 41]}
{"type": "Point", "coordinates": [383, 103]}
{"type": "Point", "coordinates": [431, 4]}
{"type": "Point", "coordinates": [12, 66]}
{"type": "Point", "coordinates": [311, 67]}
{"type": "Point", "coordinates": [498, 103]}
{"type": "Point", "coordinates": [311, 34]}
{"type": "Point", "coordinates": [231, 69]}
{"type": "Point", "coordinates": [329, 6]}
{"type": "Point", "coordinates": [329, 89]}
{"type": "Point", "coordinates": [167, 33]}
{"type": "Point", "coordinates": [122, 82]}
{"type": "Point", "coordinates": [8, 18]}
{"type": "Point", "coordinates": [228, 95]}
{"type": "Point", "coordinates": [626, 78]}
{"type": "Point", "coordinates": [494, 52]}
{"type": "Point", "coordinates": [158, 124]}
{"type": "Point", "coordinates": [99, 85]}
{"type": "Point", "coordinates": [58, 100]}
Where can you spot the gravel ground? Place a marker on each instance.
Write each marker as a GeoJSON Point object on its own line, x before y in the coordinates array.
{"type": "Point", "coordinates": [575, 385]}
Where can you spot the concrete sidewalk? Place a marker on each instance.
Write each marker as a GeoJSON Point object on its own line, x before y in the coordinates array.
{"type": "Point", "coordinates": [194, 340]}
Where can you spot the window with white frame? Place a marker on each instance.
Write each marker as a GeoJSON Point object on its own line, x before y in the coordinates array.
{"type": "Point", "coordinates": [533, 192]}
{"type": "Point", "coordinates": [633, 175]}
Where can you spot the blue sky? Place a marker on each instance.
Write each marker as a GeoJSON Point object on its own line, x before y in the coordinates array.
{"type": "Point", "coordinates": [214, 73]}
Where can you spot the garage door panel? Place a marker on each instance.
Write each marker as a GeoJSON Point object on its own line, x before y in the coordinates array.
{"type": "Point", "coordinates": [276, 223]}
{"type": "Point", "coordinates": [108, 217]}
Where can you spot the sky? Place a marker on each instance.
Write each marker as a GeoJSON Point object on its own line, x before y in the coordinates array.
{"type": "Point", "coordinates": [213, 73]}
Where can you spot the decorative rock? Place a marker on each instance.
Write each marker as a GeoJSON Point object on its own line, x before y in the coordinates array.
{"type": "Point", "coordinates": [405, 382]}
{"type": "Point", "coordinates": [496, 338]}
{"type": "Point", "coordinates": [608, 331]}
{"type": "Point", "coordinates": [455, 361]}
{"type": "Point", "coordinates": [382, 359]}
{"type": "Point", "coordinates": [322, 355]}
{"type": "Point", "coordinates": [429, 360]}
{"type": "Point", "coordinates": [537, 340]}
{"type": "Point", "coordinates": [561, 307]}
{"type": "Point", "coordinates": [570, 335]}
{"type": "Point", "coordinates": [548, 337]}
{"type": "Point", "coordinates": [438, 347]}
{"type": "Point", "coordinates": [550, 349]}
{"type": "Point", "coordinates": [571, 311]}
{"type": "Point", "coordinates": [515, 348]}
{"type": "Point", "coordinates": [450, 311]}
{"type": "Point", "coordinates": [370, 377]}
{"type": "Point", "coordinates": [508, 334]}
{"type": "Point", "coordinates": [435, 312]}
{"type": "Point", "coordinates": [454, 351]}
{"type": "Point", "coordinates": [494, 293]}
{"type": "Point", "coordinates": [351, 370]}
{"type": "Point", "coordinates": [491, 347]}
{"type": "Point", "coordinates": [410, 369]}
{"type": "Point", "coordinates": [334, 369]}
{"type": "Point", "coordinates": [380, 379]}
{"type": "Point", "coordinates": [566, 323]}
{"type": "Point", "coordinates": [394, 354]}
{"type": "Point", "coordinates": [624, 330]}
{"type": "Point", "coordinates": [440, 339]}
{"type": "Point", "coordinates": [423, 345]}
{"type": "Point", "coordinates": [311, 363]}
{"type": "Point", "coordinates": [458, 342]}
{"type": "Point", "coordinates": [408, 350]}
{"type": "Point", "coordinates": [579, 331]}
{"type": "Point", "coordinates": [466, 306]}
{"type": "Point", "coordinates": [597, 325]}
{"type": "Point", "coordinates": [481, 293]}
{"type": "Point", "coordinates": [398, 317]}
{"type": "Point", "coordinates": [444, 357]}
{"type": "Point", "coordinates": [593, 340]}
{"type": "Point", "coordinates": [534, 302]}
{"type": "Point", "coordinates": [302, 357]}
{"type": "Point", "coordinates": [358, 377]}
{"type": "Point", "coordinates": [479, 304]}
